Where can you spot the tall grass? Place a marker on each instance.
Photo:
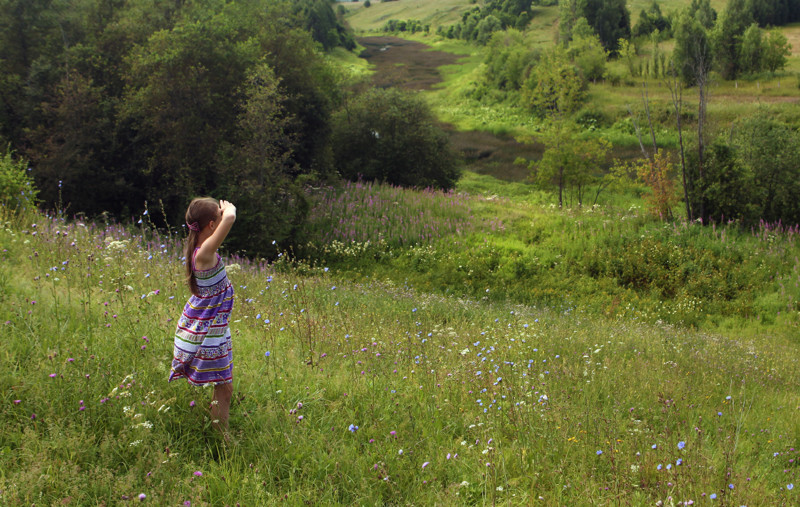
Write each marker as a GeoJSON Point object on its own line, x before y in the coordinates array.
{"type": "Point", "coordinates": [615, 259]}
{"type": "Point", "coordinates": [363, 212]}
{"type": "Point", "coordinates": [372, 392]}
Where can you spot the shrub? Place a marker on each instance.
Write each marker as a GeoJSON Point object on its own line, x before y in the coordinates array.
{"type": "Point", "coordinates": [390, 136]}
{"type": "Point", "coordinates": [17, 191]}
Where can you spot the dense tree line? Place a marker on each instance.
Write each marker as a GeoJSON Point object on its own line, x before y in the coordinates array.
{"type": "Point", "coordinates": [479, 23]}
{"type": "Point", "coordinates": [406, 25]}
{"type": "Point", "coordinates": [120, 102]}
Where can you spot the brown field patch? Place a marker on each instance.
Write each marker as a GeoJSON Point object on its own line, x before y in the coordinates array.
{"type": "Point", "coordinates": [404, 63]}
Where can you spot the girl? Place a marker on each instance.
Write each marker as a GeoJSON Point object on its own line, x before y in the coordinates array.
{"type": "Point", "coordinates": [202, 352]}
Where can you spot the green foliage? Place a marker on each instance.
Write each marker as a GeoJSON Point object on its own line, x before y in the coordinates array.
{"type": "Point", "coordinates": [610, 20]}
{"type": "Point", "coordinates": [391, 136]}
{"type": "Point", "coordinates": [650, 20]}
{"type": "Point", "coordinates": [776, 50]}
{"type": "Point", "coordinates": [588, 55]}
{"type": "Point", "coordinates": [727, 37]}
{"type": "Point", "coordinates": [774, 12]}
{"type": "Point", "coordinates": [508, 60]}
{"type": "Point", "coordinates": [259, 176]}
{"type": "Point", "coordinates": [554, 86]}
{"type": "Point", "coordinates": [410, 25]}
{"type": "Point", "coordinates": [127, 102]}
{"type": "Point", "coordinates": [480, 22]}
{"type": "Point", "coordinates": [723, 185]}
{"type": "Point", "coordinates": [568, 162]}
{"type": "Point", "coordinates": [326, 28]}
{"type": "Point", "coordinates": [752, 50]}
{"type": "Point", "coordinates": [627, 54]}
{"type": "Point", "coordinates": [17, 190]}
{"type": "Point", "coordinates": [702, 11]}
{"type": "Point", "coordinates": [693, 54]}
{"type": "Point", "coordinates": [770, 151]}
{"type": "Point", "coordinates": [181, 102]}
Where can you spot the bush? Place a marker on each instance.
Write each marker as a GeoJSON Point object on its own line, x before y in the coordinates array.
{"type": "Point", "coordinates": [390, 136]}
{"type": "Point", "coordinates": [17, 191]}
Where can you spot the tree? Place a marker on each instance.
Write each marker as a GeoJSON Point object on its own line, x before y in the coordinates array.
{"type": "Point", "coordinates": [693, 54]}
{"type": "Point", "coordinates": [610, 19]}
{"type": "Point", "coordinates": [568, 161]}
{"type": "Point", "coordinates": [702, 11]}
{"type": "Point", "coordinates": [627, 53]}
{"type": "Point", "coordinates": [657, 174]}
{"type": "Point", "coordinates": [554, 86]}
{"type": "Point", "coordinates": [770, 151]}
{"type": "Point", "coordinates": [589, 56]}
{"type": "Point", "coordinates": [752, 50]}
{"type": "Point", "coordinates": [724, 191]}
{"type": "Point", "coordinates": [259, 177]}
{"type": "Point", "coordinates": [485, 28]}
{"type": "Point", "coordinates": [650, 20]}
{"type": "Point", "coordinates": [508, 60]}
{"type": "Point", "coordinates": [727, 37]}
{"type": "Point", "coordinates": [776, 50]}
{"type": "Point", "coordinates": [181, 102]}
{"type": "Point", "coordinates": [568, 12]}
{"type": "Point", "coordinates": [391, 136]}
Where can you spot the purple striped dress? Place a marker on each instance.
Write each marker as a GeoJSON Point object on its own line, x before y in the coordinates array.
{"type": "Point", "coordinates": [202, 351]}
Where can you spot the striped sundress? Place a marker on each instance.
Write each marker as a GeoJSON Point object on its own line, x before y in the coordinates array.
{"type": "Point", "coordinates": [202, 352]}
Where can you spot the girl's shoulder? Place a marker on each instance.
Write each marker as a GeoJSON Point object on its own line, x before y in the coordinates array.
{"type": "Point", "coordinates": [195, 267]}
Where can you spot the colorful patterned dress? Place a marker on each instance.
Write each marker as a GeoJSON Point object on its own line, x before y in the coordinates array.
{"type": "Point", "coordinates": [202, 351]}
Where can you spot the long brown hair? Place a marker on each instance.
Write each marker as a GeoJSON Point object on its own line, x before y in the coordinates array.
{"type": "Point", "coordinates": [200, 212]}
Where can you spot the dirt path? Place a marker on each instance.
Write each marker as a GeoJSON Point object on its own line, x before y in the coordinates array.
{"type": "Point", "coordinates": [412, 65]}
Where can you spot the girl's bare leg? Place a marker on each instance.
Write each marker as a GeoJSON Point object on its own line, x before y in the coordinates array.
{"type": "Point", "coordinates": [220, 406]}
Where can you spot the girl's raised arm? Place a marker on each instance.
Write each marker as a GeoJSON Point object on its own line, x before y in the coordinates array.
{"type": "Point", "coordinates": [221, 228]}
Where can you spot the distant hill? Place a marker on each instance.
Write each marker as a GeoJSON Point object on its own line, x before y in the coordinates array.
{"type": "Point", "coordinates": [446, 12]}
{"type": "Point", "coordinates": [433, 12]}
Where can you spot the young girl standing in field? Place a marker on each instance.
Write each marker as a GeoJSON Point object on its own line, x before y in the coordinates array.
{"type": "Point", "coordinates": [202, 351]}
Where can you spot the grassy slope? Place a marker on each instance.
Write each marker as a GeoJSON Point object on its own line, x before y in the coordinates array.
{"type": "Point", "coordinates": [435, 13]}
{"type": "Point", "coordinates": [455, 400]}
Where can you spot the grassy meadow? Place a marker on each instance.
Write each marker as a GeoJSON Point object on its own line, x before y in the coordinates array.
{"type": "Point", "coordinates": [415, 371]}
{"type": "Point", "coordinates": [471, 347]}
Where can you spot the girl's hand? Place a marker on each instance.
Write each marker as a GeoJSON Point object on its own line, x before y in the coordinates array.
{"type": "Point", "coordinates": [227, 208]}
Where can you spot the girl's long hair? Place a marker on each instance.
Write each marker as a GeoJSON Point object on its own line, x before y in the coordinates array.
{"type": "Point", "coordinates": [201, 211]}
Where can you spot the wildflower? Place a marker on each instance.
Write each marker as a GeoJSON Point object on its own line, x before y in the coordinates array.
{"type": "Point", "coordinates": [730, 486]}
{"type": "Point", "coordinates": [712, 496]}
{"type": "Point", "coordinates": [266, 354]}
{"type": "Point", "coordinates": [17, 402]}
{"type": "Point", "coordinates": [426, 464]}
{"type": "Point", "coordinates": [400, 452]}
{"type": "Point", "coordinates": [790, 486]}
{"type": "Point", "coordinates": [353, 428]}
{"type": "Point", "coordinates": [142, 496]}
{"type": "Point", "coordinates": [681, 444]}
{"type": "Point", "coordinates": [52, 375]}
{"type": "Point", "coordinates": [599, 452]}
{"type": "Point", "coordinates": [198, 473]}
{"type": "Point", "coordinates": [191, 403]}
